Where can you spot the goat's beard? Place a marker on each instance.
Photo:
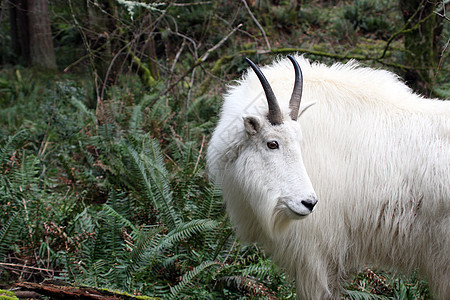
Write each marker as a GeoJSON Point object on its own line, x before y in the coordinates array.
{"type": "Point", "coordinates": [282, 219]}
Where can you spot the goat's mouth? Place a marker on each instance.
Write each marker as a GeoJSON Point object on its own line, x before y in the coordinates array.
{"type": "Point", "coordinates": [294, 214]}
{"type": "Point", "coordinates": [296, 209]}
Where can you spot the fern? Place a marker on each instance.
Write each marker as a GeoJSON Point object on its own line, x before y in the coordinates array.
{"type": "Point", "coordinates": [83, 109]}
{"type": "Point", "coordinates": [211, 206]}
{"type": "Point", "coordinates": [361, 295]}
{"type": "Point", "coordinates": [9, 161]}
{"type": "Point", "coordinates": [188, 277]}
{"type": "Point", "coordinates": [10, 144]}
{"type": "Point", "coordinates": [118, 218]}
{"type": "Point", "coordinates": [260, 270]}
{"type": "Point", "coordinates": [136, 119]}
{"type": "Point", "coordinates": [252, 286]}
{"type": "Point", "coordinates": [187, 230]}
{"type": "Point", "coordinates": [149, 178]}
{"type": "Point", "coordinates": [8, 235]}
{"type": "Point", "coordinates": [142, 249]}
{"type": "Point", "coordinates": [160, 176]}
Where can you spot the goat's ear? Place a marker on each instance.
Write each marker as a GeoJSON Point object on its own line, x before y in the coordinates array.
{"type": "Point", "coordinates": [252, 124]}
{"type": "Point", "coordinates": [303, 108]}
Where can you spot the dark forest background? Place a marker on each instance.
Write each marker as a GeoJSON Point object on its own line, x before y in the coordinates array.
{"type": "Point", "coordinates": [106, 108]}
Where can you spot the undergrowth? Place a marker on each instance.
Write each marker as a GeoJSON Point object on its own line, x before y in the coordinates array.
{"type": "Point", "coordinates": [104, 203]}
{"type": "Point", "coordinates": [105, 186]}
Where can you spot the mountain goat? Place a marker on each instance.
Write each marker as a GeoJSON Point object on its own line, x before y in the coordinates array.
{"type": "Point", "coordinates": [374, 156]}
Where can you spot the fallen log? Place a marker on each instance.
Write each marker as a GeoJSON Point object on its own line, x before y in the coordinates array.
{"type": "Point", "coordinates": [69, 292]}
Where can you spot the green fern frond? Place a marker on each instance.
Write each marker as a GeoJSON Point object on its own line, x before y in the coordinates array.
{"type": "Point", "coordinates": [26, 177]}
{"type": "Point", "coordinates": [7, 235]}
{"type": "Point", "coordinates": [260, 270]}
{"type": "Point", "coordinates": [361, 295]}
{"type": "Point", "coordinates": [138, 174]}
{"type": "Point", "coordinates": [225, 237]}
{"type": "Point", "coordinates": [71, 270]}
{"type": "Point", "coordinates": [161, 177]}
{"type": "Point", "coordinates": [247, 283]}
{"type": "Point", "coordinates": [187, 230]}
{"type": "Point", "coordinates": [136, 119]}
{"type": "Point", "coordinates": [187, 278]}
{"type": "Point", "coordinates": [184, 231]}
{"type": "Point", "coordinates": [10, 144]}
{"type": "Point", "coordinates": [149, 176]}
{"type": "Point", "coordinates": [211, 204]}
{"type": "Point", "coordinates": [83, 109]}
{"type": "Point", "coordinates": [121, 220]}
{"type": "Point", "coordinates": [140, 256]}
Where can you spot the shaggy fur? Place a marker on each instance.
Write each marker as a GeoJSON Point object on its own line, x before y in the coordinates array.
{"type": "Point", "coordinates": [378, 157]}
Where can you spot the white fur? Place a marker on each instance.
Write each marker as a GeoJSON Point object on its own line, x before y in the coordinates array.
{"type": "Point", "coordinates": [378, 157]}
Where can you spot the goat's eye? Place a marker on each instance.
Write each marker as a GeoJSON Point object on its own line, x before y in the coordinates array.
{"type": "Point", "coordinates": [273, 145]}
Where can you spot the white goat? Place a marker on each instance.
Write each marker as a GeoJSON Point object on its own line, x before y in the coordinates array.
{"type": "Point", "coordinates": [378, 159]}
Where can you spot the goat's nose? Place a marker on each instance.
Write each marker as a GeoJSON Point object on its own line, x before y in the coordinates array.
{"type": "Point", "coordinates": [310, 203]}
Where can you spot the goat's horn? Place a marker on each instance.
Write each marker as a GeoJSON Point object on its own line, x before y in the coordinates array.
{"type": "Point", "coordinates": [294, 103]}
{"type": "Point", "coordinates": [275, 116]}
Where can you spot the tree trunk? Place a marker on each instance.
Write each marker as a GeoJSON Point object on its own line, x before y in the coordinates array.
{"type": "Point", "coordinates": [421, 43]}
{"type": "Point", "coordinates": [20, 35]}
{"type": "Point", "coordinates": [42, 53]}
{"type": "Point", "coordinates": [150, 46]}
{"type": "Point", "coordinates": [15, 40]}
{"type": "Point", "coordinates": [31, 36]}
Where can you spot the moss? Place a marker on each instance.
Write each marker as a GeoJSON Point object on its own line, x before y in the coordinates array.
{"type": "Point", "coordinates": [125, 294]}
{"type": "Point", "coordinates": [145, 73]}
{"type": "Point", "coordinates": [7, 295]}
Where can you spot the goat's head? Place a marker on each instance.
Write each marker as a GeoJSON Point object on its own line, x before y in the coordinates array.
{"type": "Point", "coordinates": [273, 158]}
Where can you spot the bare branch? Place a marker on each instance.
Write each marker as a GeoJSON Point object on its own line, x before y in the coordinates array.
{"type": "Point", "coordinates": [177, 56]}
{"type": "Point", "coordinates": [192, 4]}
{"type": "Point", "coordinates": [205, 56]}
{"type": "Point", "coordinates": [257, 24]}
{"type": "Point", "coordinates": [442, 16]}
{"type": "Point", "coordinates": [199, 61]}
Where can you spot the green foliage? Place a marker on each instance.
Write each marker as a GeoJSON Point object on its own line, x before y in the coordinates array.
{"type": "Point", "coordinates": [7, 295]}
{"type": "Point", "coordinates": [360, 295]}
{"type": "Point", "coordinates": [365, 17]}
{"type": "Point", "coordinates": [368, 16]}
{"type": "Point", "coordinates": [8, 234]}
{"type": "Point", "coordinates": [187, 278]}
{"type": "Point", "coordinates": [110, 206]}
{"type": "Point", "coordinates": [372, 284]}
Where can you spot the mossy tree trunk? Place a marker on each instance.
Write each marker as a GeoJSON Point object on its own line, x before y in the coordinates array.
{"type": "Point", "coordinates": [150, 49]}
{"type": "Point", "coordinates": [421, 43]}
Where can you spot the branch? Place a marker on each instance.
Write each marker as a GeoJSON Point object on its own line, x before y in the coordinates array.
{"type": "Point", "coordinates": [257, 24]}
{"type": "Point", "coordinates": [10, 265]}
{"type": "Point", "coordinates": [345, 56]}
{"type": "Point", "coordinates": [192, 4]}
{"type": "Point", "coordinates": [177, 56]}
{"type": "Point", "coordinates": [412, 28]}
{"type": "Point", "coordinates": [442, 16]}
{"type": "Point", "coordinates": [68, 292]}
{"type": "Point", "coordinates": [313, 52]}
{"type": "Point", "coordinates": [205, 56]}
{"type": "Point", "coordinates": [198, 62]}
{"type": "Point", "coordinates": [403, 30]}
